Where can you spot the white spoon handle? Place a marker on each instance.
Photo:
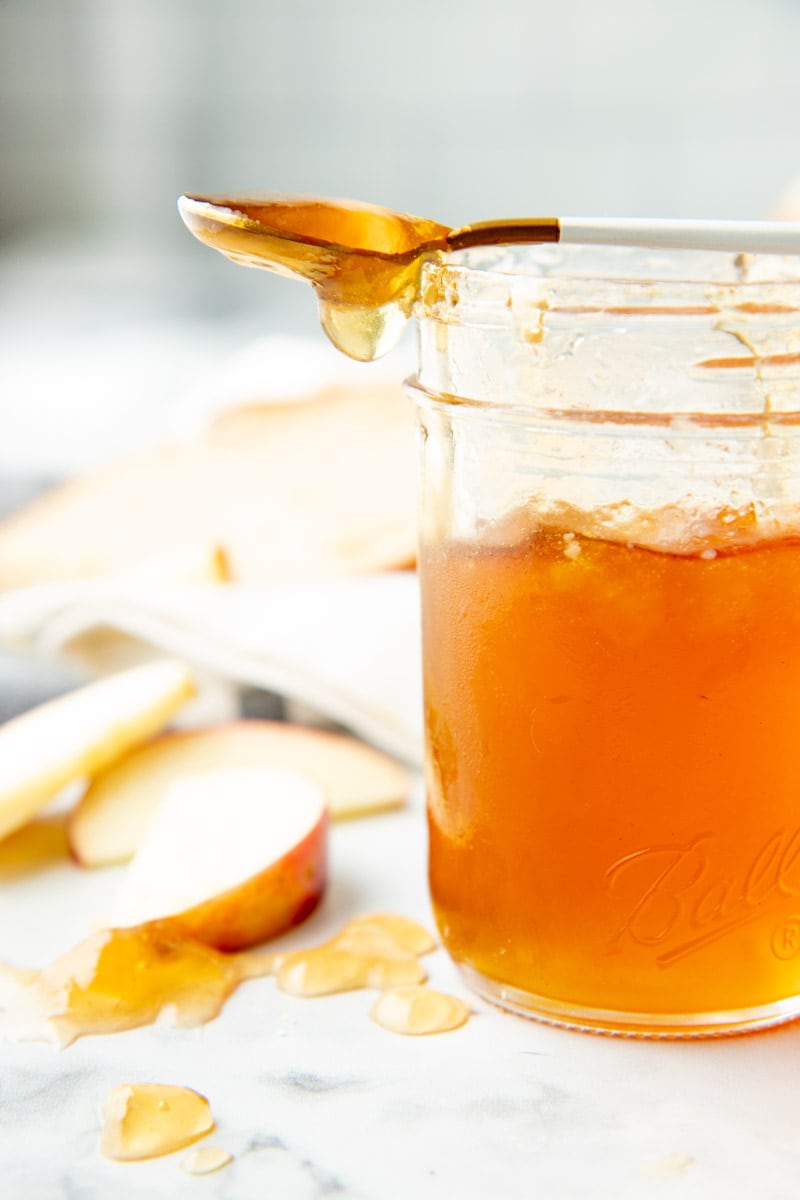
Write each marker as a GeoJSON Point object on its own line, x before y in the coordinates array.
{"type": "Point", "coordinates": [762, 237]}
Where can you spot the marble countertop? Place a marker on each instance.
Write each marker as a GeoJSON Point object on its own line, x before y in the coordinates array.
{"type": "Point", "coordinates": [314, 1100]}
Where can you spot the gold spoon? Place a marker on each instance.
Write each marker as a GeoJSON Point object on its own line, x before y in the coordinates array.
{"type": "Point", "coordinates": [364, 261]}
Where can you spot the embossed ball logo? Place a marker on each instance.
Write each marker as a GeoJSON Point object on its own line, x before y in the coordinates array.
{"type": "Point", "coordinates": [683, 896]}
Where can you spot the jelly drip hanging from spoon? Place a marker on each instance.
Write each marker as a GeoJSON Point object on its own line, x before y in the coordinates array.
{"type": "Point", "coordinates": [362, 261]}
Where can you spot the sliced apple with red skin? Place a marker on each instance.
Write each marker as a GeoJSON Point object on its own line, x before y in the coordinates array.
{"type": "Point", "coordinates": [112, 817]}
{"type": "Point", "coordinates": [232, 857]}
{"type": "Point", "coordinates": [83, 732]}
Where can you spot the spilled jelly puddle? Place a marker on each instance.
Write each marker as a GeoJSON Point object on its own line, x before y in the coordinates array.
{"type": "Point", "coordinates": [120, 979]}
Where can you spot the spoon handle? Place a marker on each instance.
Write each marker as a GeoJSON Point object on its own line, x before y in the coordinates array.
{"type": "Point", "coordinates": [764, 237]}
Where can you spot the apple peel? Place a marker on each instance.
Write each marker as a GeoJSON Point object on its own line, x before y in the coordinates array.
{"type": "Point", "coordinates": [233, 857]}
{"type": "Point", "coordinates": [112, 817]}
{"type": "Point", "coordinates": [82, 732]}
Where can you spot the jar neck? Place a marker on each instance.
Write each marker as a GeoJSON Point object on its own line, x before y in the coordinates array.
{"type": "Point", "coordinates": [532, 328]}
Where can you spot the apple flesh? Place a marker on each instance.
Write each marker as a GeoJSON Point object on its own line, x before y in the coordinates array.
{"type": "Point", "coordinates": [112, 817]}
{"type": "Point", "coordinates": [83, 732]}
{"type": "Point", "coordinates": [232, 857]}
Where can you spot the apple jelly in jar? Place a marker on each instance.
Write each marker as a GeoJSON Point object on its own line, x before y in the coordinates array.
{"type": "Point", "coordinates": [610, 568]}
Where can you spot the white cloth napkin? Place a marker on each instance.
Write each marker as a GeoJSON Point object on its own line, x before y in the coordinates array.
{"type": "Point", "coordinates": [348, 648]}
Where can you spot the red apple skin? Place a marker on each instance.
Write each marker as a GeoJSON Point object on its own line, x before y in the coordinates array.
{"type": "Point", "coordinates": [266, 905]}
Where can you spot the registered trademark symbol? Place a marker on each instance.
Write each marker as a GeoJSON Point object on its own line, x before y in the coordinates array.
{"type": "Point", "coordinates": [786, 939]}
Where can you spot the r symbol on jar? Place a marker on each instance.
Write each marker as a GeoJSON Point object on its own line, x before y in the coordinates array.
{"type": "Point", "coordinates": [786, 939]}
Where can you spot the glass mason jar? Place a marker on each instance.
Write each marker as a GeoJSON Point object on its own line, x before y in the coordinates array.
{"type": "Point", "coordinates": [610, 571]}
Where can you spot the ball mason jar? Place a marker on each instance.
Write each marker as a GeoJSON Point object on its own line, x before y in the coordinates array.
{"type": "Point", "coordinates": [610, 573]}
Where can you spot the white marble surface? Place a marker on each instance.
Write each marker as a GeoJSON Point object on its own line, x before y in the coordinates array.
{"type": "Point", "coordinates": [314, 1100]}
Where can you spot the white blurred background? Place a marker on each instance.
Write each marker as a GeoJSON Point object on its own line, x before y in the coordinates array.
{"type": "Point", "coordinates": [112, 318]}
{"type": "Point", "coordinates": [118, 329]}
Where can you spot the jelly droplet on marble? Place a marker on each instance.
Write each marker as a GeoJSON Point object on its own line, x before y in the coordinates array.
{"type": "Point", "coordinates": [416, 1011]}
{"type": "Point", "coordinates": [146, 1120]}
{"type": "Point", "coordinates": [202, 1160]}
{"type": "Point", "coordinates": [376, 951]}
{"type": "Point", "coordinates": [320, 971]}
{"type": "Point", "coordinates": [402, 931]}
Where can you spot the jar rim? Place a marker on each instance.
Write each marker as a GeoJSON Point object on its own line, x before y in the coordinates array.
{"type": "Point", "coordinates": [486, 282]}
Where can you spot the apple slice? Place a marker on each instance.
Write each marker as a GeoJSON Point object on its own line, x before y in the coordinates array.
{"type": "Point", "coordinates": [232, 857]}
{"type": "Point", "coordinates": [81, 733]}
{"type": "Point", "coordinates": [110, 820]}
